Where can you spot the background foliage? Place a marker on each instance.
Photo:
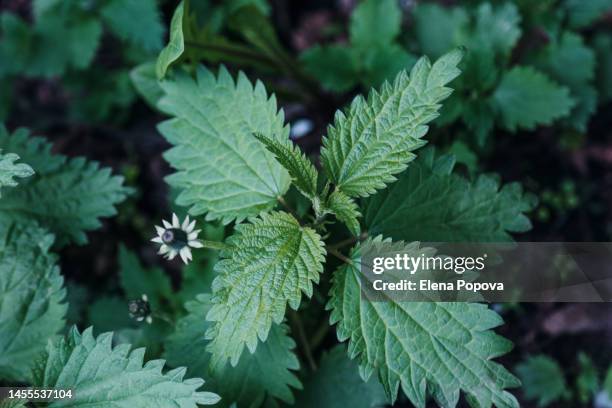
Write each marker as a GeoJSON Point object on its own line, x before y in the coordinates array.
{"type": "Point", "coordinates": [238, 113]}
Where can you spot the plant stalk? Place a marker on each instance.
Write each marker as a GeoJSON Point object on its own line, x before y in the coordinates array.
{"type": "Point", "coordinates": [287, 207]}
{"type": "Point", "coordinates": [339, 255]}
{"type": "Point", "coordinates": [319, 335]}
{"type": "Point", "coordinates": [348, 241]}
{"type": "Point", "coordinates": [216, 245]}
{"type": "Point", "coordinates": [296, 322]}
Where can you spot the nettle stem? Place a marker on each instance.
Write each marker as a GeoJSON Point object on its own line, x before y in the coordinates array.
{"type": "Point", "coordinates": [348, 241]}
{"type": "Point", "coordinates": [287, 207]}
{"type": "Point", "coordinates": [216, 245]}
{"type": "Point", "coordinates": [339, 255]}
{"type": "Point", "coordinates": [298, 327]}
{"type": "Point", "coordinates": [319, 335]}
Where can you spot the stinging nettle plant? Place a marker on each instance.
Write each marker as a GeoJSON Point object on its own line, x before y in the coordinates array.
{"type": "Point", "coordinates": [293, 254]}
{"type": "Point", "coordinates": [235, 163]}
{"type": "Point", "coordinates": [270, 313]}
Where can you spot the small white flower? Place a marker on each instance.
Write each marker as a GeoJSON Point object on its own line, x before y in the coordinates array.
{"type": "Point", "coordinates": [177, 239]}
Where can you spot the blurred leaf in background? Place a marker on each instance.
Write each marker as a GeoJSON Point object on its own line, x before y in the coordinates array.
{"type": "Point", "coordinates": [372, 55]}
{"type": "Point", "coordinates": [543, 380]}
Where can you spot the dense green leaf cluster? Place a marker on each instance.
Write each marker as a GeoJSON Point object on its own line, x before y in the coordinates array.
{"type": "Point", "coordinates": [505, 84]}
{"type": "Point", "coordinates": [32, 311]}
{"type": "Point", "coordinates": [66, 35]}
{"type": "Point", "coordinates": [494, 90]}
{"type": "Point", "coordinates": [547, 383]}
{"type": "Point", "coordinates": [372, 56]}
{"type": "Point", "coordinates": [284, 222]}
{"type": "Point", "coordinates": [270, 260]}
{"type": "Point", "coordinates": [63, 40]}
{"type": "Point", "coordinates": [56, 206]}
{"type": "Point", "coordinates": [67, 196]}
{"type": "Point", "coordinates": [543, 379]}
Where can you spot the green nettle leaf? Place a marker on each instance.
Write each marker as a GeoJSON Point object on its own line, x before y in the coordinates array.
{"type": "Point", "coordinates": [525, 98]}
{"type": "Point", "coordinates": [372, 56]}
{"type": "Point", "coordinates": [176, 44]}
{"type": "Point", "coordinates": [104, 375]}
{"type": "Point", "coordinates": [301, 170]}
{"type": "Point", "coordinates": [429, 17]}
{"type": "Point", "coordinates": [268, 371]}
{"type": "Point", "coordinates": [253, 41]}
{"type": "Point", "coordinates": [375, 23]}
{"type": "Point", "coordinates": [429, 203]}
{"type": "Point", "coordinates": [337, 384]}
{"type": "Point", "coordinates": [497, 27]}
{"type": "Point", "coordinates": [136, 21]}
{"type": "Point", "coordinates": [382, 64]}
{"type": "Point", "coordinates": [223, 170]}
{"type": "Point", "coordinates": [494, 28]}
{"type": "Point", "coordinates": [65, 195]}
{"type": "Point", "coordinates": [345, 209]}
{"type": "Point", "coordinates": [374, 139]}
{"type": "Point", "coordinates": [479, 118]}
{"type": "Point", "coordinates": [55, 42]}
{"type": "Point", "coordinates": [14, 403]}
{"type": "Point", "coordinates": [16, 37]}
{"type": "Point", "coordinates": [35, 151]}
{"type": "Point", "coordinates": [436, 349]}
{"type": "Point", "coordinates": [31, 295]}
{"type": "Point", "coordinates": [555, 59]}
{"type": "Point", "coordinates": [270, 262]}
{"type": "Point", "coordinates": [490, 33]}
{"type": "Point", "coordinates": [558, 55]}
{"type": "Point", "coordinates": [9, 170]}
{"type": "Point", "coordinates": [257, 30]}
{"type": "Point", "coordinates": [464, 155]}
{"type": "Point", "coordinates": [542, 379]}
{"type": "Point", "coordinates": [334, 66]}
{"type": "Point", "coordinates": [84, 37]}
